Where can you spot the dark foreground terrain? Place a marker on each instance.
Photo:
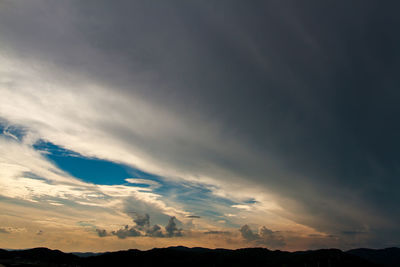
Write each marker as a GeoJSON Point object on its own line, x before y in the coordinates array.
{"type": "Point", "coordinates": [182, 256]}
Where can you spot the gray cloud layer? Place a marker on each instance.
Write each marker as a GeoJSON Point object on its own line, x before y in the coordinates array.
{"type": "Point", "coordinates": [301, 99]}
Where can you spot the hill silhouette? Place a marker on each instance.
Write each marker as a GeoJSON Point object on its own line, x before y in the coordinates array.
{"type": "Point", "coordinates": [387, 256]}
{"type": "Point", "coordinates": [183, 256]}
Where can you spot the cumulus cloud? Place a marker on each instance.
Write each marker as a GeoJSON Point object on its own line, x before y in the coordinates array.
{"type": "Point", "coordinates": [172, 229]}
{"type": "Point", "coordinates": [102, 232]}
{"type": "Point", "coordinates": [142, 228]}
{"type": "Point", "coordinates": [248, 234]}
{"type": "Point", "coordinates": [142, 221]}
{"type": "Point", "coordinates": [155, 231]}
{"type": "Point", "coordinates": [265, 237]}
{"type": "Point", "coordinates": [271, 238]}
{"type": "Point", "coordinates": [126, 232]}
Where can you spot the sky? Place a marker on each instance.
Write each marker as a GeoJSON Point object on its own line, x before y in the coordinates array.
{"type": "Point", "coordinates": [142, 124]}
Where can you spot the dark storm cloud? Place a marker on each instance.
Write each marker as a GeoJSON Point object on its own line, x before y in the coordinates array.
{"type": "Point", "coordinates": [142, 228]}
{"type": "Point", "coordinates": [172, 229]}
{"type": "Point", "coordinates": [154, 231]}
{"type": "Point", "coordinates": [265, 236]}
{"type": "Point", "coordinates": [101, 232]}
{"type": "Point", "coordinates": [126, 232]}
{"type": "Point", "coordinates": [247, 233]}
{"type": "Point", "coordinates": [313, 85]}
{"type": "Point", "coordinates": [143, 224]}
{"type": "Point", "coordinates": [142, 221]}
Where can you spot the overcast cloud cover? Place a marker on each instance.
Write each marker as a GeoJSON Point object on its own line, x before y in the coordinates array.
{"type": "Point", "coordinates": [292, 105]}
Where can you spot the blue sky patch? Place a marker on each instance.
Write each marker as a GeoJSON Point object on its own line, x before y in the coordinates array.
{"type": "Point", "coordinates": [91, 170]}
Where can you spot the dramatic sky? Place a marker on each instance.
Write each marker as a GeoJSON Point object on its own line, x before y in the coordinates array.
{"type": "Point", "coordinates": [141, 124]}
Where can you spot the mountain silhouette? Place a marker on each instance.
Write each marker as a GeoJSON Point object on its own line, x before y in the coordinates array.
{"type": "Point", "coordinates": [387, 256]}
{"type": "Point", "coordinates": [183, 256]}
